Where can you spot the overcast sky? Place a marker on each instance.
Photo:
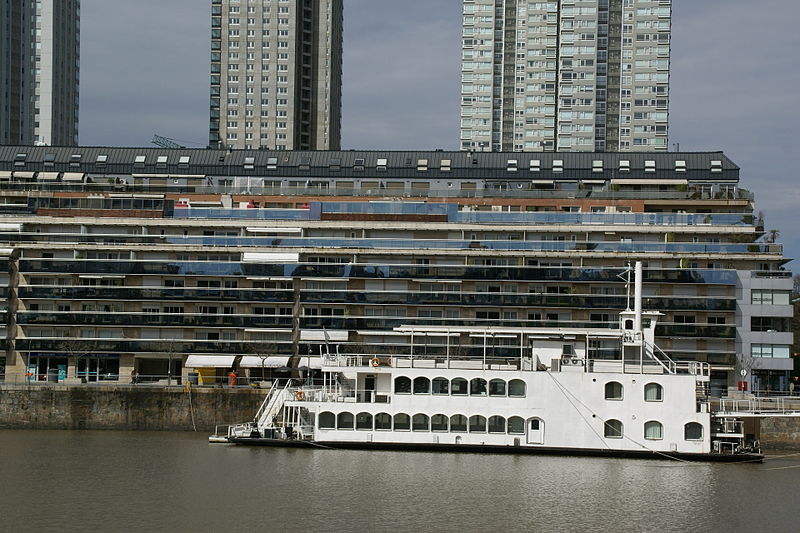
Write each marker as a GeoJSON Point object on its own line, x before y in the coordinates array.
{"type": "Point", "coordinates": [735, 78]}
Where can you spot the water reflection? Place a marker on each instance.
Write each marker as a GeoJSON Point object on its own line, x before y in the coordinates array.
{"type": "Point", "coordinates": [100, 481]}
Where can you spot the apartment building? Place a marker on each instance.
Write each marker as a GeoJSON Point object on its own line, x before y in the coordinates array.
{"type": "Point", "coordinates": [565, 75]}
{"type": "Point", "coordinates": [177, 261]}
{"type": "Point", "coordinates": [276, 74]}
{"type": "Point", "coordinates": [39, 71]}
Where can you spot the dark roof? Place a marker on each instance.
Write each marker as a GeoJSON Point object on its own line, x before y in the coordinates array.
{"type": "Point", "coordinates": [347, 162]}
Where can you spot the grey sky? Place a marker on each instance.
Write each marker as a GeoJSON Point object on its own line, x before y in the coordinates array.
{"type": "Point", "coordinates": [735, 74]}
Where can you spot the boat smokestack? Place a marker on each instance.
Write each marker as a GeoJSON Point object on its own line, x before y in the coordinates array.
{"type": "Point", "coordinates": [637, 297]}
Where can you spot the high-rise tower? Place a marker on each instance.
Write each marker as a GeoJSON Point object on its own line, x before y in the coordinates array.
{"type": "Point", "coordinates": [276, 74]}
{"type": "Point", "coordinates": [39, 71]}
{"type": "Point", "coordinates": [565, 75]}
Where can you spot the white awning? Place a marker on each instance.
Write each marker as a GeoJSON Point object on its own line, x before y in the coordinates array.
{"type": "Point", "coordinates": [10, 227]}
{"type": "Point", "coordinates": [47, 176]}
{"type": "Point", "coordinates": [267, 258]}
{"type": "Point", "coordinates": [649, 182]}
{"type": "Point", "coordinates": [5, 175]}
{"type": "Point", "coordinates": [206, 203]}
{"type": "Point", "coordinates": [253, 361]}
{"type": "Point", "coordinates": [275, 230]}
{"type": "Point", "coordinates": [594, 182]}
{"type": "Point", "coordinates": [24, 175]}
{"type": "Point", "coordinates": [101, 276]}
{"type": "Point", "coordinates": [6, 251]}
{"type": "Point", "coordinates": [319, 335]}
{"type": "Point", "coordinates": [209, 361]}
{"type": "Point", "coordinates": [72, 176]}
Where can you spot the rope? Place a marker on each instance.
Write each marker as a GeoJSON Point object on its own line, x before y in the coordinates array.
{"type": "Point", "coordinates": [191, 405]}
{"type": "Point", "coordinates": [564, 391]}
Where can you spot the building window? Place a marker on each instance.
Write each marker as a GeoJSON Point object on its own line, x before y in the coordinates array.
{"type": "Point", "coordinates": [653, 392]}
{"type": "Point", "coordinates": [613, 429]}
{"type": "Point", "coordinates": [516, 425]}
{"type": "Point", "coordinates": [653, 430]}
{"type": "Point", "coordinates": [477, 424]}
{"type": "Point", "coordinates": [327, 420]}
{"type": "Point", "coordinates": [516, 388]}
{"type": "Point", "coordinates": [364, 421]}
{"type": "Point", "coordinates": [693, 431]}
{"type": "Point", "coordinates": [441, 386]}
{"type": "Point", "coordinates": [420, 422]}
{"type": "Point", "coordinates": [458, 387]}
{"type": "Point", "coordinates": [614, 390]}
{"type": "Point", "coordinates": [383, 422]}
{"type": "Point", "coordinates": [402, 385]}
{"type": "Point", "coordinates": [439, 423]}
{"type": "Point", "coordinates": [402, 422]}
{"type": "Point", "coordinates": [422, 385]}
{"type": "Point", "coordinates": [344, 421]}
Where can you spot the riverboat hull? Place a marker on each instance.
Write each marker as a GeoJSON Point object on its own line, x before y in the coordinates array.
{"type": "Point", "coordinates": [483, 448]}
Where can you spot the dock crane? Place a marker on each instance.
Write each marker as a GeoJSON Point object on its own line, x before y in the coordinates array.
{"type": "Point", "coordinates": [165, 142]}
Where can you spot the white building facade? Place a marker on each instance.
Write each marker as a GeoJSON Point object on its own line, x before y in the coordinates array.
{"type": "Point", "coordinates": [565, 75]}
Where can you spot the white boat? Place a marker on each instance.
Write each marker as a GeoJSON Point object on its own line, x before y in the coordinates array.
{"type": "Point", "coordinates": [566, 396]}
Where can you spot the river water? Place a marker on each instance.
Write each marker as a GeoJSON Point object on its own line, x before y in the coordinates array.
{"type": "Point", "coordinates": [126, 481]}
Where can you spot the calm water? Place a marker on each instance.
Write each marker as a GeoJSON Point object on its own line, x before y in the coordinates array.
{"type": "Point", "coordinates": [119, 481]}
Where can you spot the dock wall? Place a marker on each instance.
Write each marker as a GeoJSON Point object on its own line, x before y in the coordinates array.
{"type": "Point", "coordinates": [125, 407]}
{"type": "Point", "coordinates": [780, 433]}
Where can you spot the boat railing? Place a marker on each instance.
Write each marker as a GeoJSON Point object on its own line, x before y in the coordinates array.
{"type": "Point", "coordinates": [338, 394]}
{"type": "Point", "coordinates": [784, 405]}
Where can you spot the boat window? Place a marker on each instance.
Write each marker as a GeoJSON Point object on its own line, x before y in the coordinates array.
{"type": "Point", "coordinates": [693, 431]}
{"type": "Point", "coordinates": [364, 421]}
{"type": "Point", "coordinates": [422, 385]}
{"type": "Point", "coordinates": [477, 387]}
{"type": "Point", "coordinates": [653, 392]}
{"type": "Point", "coordinates": [439, 423]}
{"type": "Point", "coordinates": [613, 390]}
{"type": "Point", "coordinates": [516, 388]}
{"type": "Point", "coordinates": [383, 421]}
{"type": "Point", "coordinates": [441, 386]}
{"type": "Point", "coordinates": [497, 424]}
{"type": "Point", "coordinates": [402, 385]}
{"type": "Point", "coordinates": [327, 420]}
{"type": "Point", "coordinates": [458, 387]}
{"type": "Point", "coordinates": [477, 424]}
{"type": "Point", "coordinates": [344, 421]}
{"type": "Point", "coordinates": [402, 422]}
{"type": "Point", "coordinates": [420, 422]}
{"type": "Point", "coordinates": [516, 425]}
{"type": "Point", "coordinates": [497, 387]}
{"type": "Point", "coordinates": [653, 430]}
{"type": "Point", "coordinates": [613, 429]}
{"type": "Point", "coordinates": [458, 423]}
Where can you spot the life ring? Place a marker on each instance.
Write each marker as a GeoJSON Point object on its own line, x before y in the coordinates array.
{"type": "Point", "coordinates": [299, 396]}
{"type": "Point", "coordinates": [388, 361]}
{"type": "Point", "coordinates": [374, 362]}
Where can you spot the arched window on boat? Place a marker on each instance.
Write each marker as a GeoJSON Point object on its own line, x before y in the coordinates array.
{"type": "Point", "coordinates": [477, 424]}
{"type": "Point", "coordinates": [441, 386]}
{"type": "Point", "coordinates": [458, 387]}
{"type": "Point", "coordinates": [439, 423]}
{"type": "Point", "coordinates": [383, 421]}
{"type": "Point", "coordinates": [364, 421]}
{"type": "Point", "coordinates": [516, 388]}
{"type": "Point", "coordinates": [402, 422]}
{"type": "Point", "coordinates": [653, 392]}
{"type": "Point", "coordinates": [477, 387]}
{"type": "Point", "coordinates": [612, 429]}
{"type": "Point", "coordinates": [613, 390]}
{"type": "Point", "coordinates": [420, 422]}
{"type": "Point", "coordinates": [422, 385]}
{"type": "Point", "coordinates": [497, 387]}
{"type": "Point", "coordinates": [497, 424]}
{"type": "Point", "coordinates": [693, 431]}
{"type": "Point", "coordinates": [653, 430]}
{"type": "Point", "coordinates": [458, 423]}
{"type": "Point", "coordinates": [327, 420]}
{"type": "Point", "coordinates": [402, 385]}
{"type": "Point", "coordinates": [516, 425]}
{"type": "Point", "coordinates": [344, 421]}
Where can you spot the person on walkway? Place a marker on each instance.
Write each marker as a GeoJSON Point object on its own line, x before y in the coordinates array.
{"type": "Point", "coordinates": [792, 387]}
{"type": "Point", "coordinates": [232, 378]}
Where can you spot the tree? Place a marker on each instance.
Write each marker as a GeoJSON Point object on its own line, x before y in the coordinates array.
{"type": "Point", "coordinates": [263, 350]}
{"type": "Point", "coordinates": [772, 236]}
{"type": "Point", "coordinates": [77, 349]}
{"type": "Point", "coordinates": [171, 348]}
